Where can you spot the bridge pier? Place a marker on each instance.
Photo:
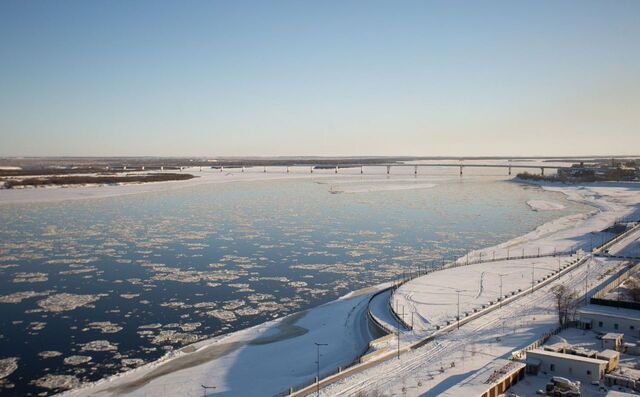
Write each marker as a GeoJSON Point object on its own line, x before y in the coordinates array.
{"type": "Point", "coordinates": [415, 170]}
{"type": "Point", "coordinates": [243, 168]}
{"type": "Point", "coordinates": [541, 170]}
{"type": "Point", "coordinates": [509, 170]}
{"type": "Point", "coordinates": [460, 170]}
{"type": "Point", "coordinates": [361, 170]}
{"type": "Point", "coordinates": [336, 169]}
{"type": "Point", "coordinates": [287, 169]}
{"type": "Point", "coordinates": [311, 169]}
{"type": "Point", "coordinates": [221, 168]}
{"type": "Point", "coordinates": [264, 170]}
{"type": "Point", "coordinates": [388, 169]}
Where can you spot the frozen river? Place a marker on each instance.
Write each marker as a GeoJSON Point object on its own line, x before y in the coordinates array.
{"type": "Point", "coordinates": [91, 287]}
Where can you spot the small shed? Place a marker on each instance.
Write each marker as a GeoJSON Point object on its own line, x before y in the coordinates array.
{"type": "Point", "coordinates": [612, 341]}
{"type": "Point", "coordinates": [612, 357]}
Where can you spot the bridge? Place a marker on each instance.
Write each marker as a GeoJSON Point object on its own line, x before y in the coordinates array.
{"type": "Point", "coordinates": [337, 167]}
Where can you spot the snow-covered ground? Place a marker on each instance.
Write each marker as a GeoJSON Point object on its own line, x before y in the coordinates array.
{"type": "Point", "coordinates": [432, 300]}
{"type": "Point", "coordinates": [435, 367]}
{"type": "Point", "coordinates": [543, 205]}
{"type": "Point", "coordinates": [260, 361]}
{"type": "Point", "coordinates": [450, 358]}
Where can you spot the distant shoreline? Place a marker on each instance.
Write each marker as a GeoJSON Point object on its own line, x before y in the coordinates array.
{"type": "Point", "coordinates": [71, 180]}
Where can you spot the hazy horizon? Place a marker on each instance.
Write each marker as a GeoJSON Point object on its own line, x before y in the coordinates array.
{"type": "Point", "coordinates": [242, 79]}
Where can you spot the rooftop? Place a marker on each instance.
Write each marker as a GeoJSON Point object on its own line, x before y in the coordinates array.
{"type": "Point", "coordinates": [481, 380]}
{"type": "Point", "coordinates": [572, 357]}
{"type": "Point", "coordinates": [611, 312]}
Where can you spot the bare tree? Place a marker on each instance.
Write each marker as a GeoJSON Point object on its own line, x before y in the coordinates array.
{"type": "Point", "coordinates": [566, 303]}
{"type": "Point", "coordinates": [633, 287]}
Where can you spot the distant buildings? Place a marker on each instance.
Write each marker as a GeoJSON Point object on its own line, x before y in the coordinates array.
{"type": "Point", "coordinates": [615, 171]}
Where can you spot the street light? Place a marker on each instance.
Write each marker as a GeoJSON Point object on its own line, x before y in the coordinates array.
{"type": "Point", "coordinates": [458, 292]}
{"type": "Point", "coordinates": [205, 388]}
{"type": "Point", "coordinates": [501, 275]}
{"type": "Point", "coordinates": [318, 366]}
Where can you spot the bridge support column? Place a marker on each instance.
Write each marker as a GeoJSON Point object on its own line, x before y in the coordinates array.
{"type": "Point", "coordinates": [243, 168]}
{"type": "Point", "coordinates": [415, 170]}
{"type": "Point", "coordinates": [264, 170]}
{"type": "Point", "coordinates": [311, 170]}
{"type": "Point", "coordinates": [460, 170]}
{"type": "Point", "coordinates": [287, 169]}
{"type": "Point", "coordinates": [336, 169]}
{"type": "Point", "coordinates": [541, 170]}
{"type": "Point", "coordinates": [361, 170]}
{"type": "Point", "coordinates": [221, 168]}
{"type": "Point", "coordinates": [509, 170]}
{"type": "Point", "coordinates": [388, 169]}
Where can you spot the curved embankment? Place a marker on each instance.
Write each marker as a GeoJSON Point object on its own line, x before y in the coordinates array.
{"type": "Point", "coordinates": [382, 355]}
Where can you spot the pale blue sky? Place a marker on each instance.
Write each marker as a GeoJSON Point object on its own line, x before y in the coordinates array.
{"type": "Point", "coordinates": [319, 77]}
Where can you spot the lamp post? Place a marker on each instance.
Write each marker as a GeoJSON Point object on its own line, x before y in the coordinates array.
{"type": "Point", "coordinates": [533, 271]}
{"type": "Point", "coordinates": [205, 388]}
{"type": "Point", "coordinates": [458, 292]}
{"type": "Point", "coordinates": [501, 275]}
{"type": "Point", "coordinates": [318, 366]}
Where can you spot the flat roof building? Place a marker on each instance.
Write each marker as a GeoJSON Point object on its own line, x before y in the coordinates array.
{"type": "Point", "coordinates": [566, 365]}
{"type": "Point", "coordinates": [610, 319]}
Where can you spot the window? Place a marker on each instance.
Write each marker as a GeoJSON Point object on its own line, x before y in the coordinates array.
{"type": "Point", "coordinates": [600, 324]}
{"type": "Point", "coordinates": [552, 367]}
{"type": "Point", "coordinates": [632, 327]}
{"type": "Point", "coordinates": [615, 326]}
{"type": "Point", "coordinates": [588, 372]}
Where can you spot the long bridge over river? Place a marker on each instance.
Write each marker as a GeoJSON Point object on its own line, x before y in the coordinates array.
{"type": "Point", "coordinates": [337, 167]}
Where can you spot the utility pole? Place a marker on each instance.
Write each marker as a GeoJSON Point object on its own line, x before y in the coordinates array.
{"type": "Point", "coordinates": [533, 271]}
{"type": "Point", "coordinates": [558, 265]}
{"type": "Point", "coordinates": [586, 287]}
{"type": "Point", "coordinates": [458, 292]}
{"type": "Point", "coordinates": [318, 366]}
{"type": "Point", "coordinates": [398, 327]}
{"type": "Point", "coordinates": [501, 275]}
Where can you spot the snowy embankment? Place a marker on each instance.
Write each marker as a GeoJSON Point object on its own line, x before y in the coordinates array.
{"type": "Point", "coordinates": [433, 368]}
{"type": "Point", "coordinates": [262, 360]}
{"type": "Point", "coordinates": [611, 202]}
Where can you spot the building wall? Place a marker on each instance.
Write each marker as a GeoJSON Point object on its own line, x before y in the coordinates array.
{"type": "Point", "coordinates": [611, 324]}
{"type": "Point", "coordinates": [570, 368]}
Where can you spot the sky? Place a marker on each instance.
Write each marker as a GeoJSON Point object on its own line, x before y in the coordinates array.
{"type": "Point", "coordinates": [319, 78]}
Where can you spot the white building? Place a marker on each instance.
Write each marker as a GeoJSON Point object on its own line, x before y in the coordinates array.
{"type": "Point", "coordinates": [566, 365]}
{"type": "Point", "coordinates": [610, 319]}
